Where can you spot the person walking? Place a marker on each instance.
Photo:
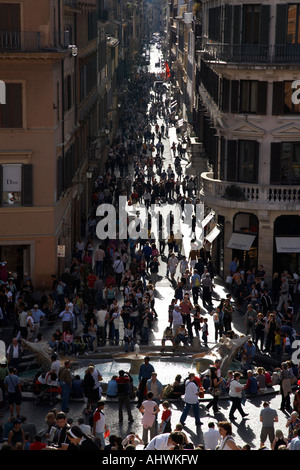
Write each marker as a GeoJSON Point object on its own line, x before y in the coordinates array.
{"type": "Point", "coordinates": [191, 400]}
{"type": "Point", "coordinates": [215, 389]}
{"type": "Point", "coordinates": [235, 393]}
{"type": "Point", "coordinates": [145, 372]}
{"type": "Point", "coordinates": [149, 410]}
{"type": "Point", "coordinates": [123, 383]}
{"type": "Point", "coordinates": [268, 416]}
{"type": "Point", "coordinates": [13, 387]}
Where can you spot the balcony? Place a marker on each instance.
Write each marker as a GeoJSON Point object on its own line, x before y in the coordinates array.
{"type": "Point", "coordinates": [252, 53]}
{"type": "Point", "coordinates": [31, 41]}
{"type": "Point", "coordinates": [249, 196]}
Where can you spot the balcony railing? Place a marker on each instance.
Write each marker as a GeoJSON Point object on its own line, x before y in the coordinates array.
{"type": "Point", "coordinates": [250, 193]}
{"type": "Point", "coordinates": [253, 53]}
{"type": "Point", "coordinates": [31, 41]}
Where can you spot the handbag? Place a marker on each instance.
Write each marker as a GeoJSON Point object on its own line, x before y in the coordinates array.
{"type": "Point", "coordinates": [228, 280]}
{"type": "Point", "coordinates": [215, 391]}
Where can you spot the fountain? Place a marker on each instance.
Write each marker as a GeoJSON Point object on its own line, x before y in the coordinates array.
{"type": "Point", "coordinates": [225, 350]}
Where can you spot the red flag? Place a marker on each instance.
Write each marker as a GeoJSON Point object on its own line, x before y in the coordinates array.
{"type": "Point", "coordinates": [168, 74]}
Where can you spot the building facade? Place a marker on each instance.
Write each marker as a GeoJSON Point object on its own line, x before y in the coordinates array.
{"type": "Point", "coordinates": [248, 120]}
{"type": "Point", "coordinates": [62, 67]}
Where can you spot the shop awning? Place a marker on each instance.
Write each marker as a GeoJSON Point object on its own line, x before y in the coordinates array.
{"type": "Point", "coordinates": [214, 233]}
{"type": "Point", "coordinates": [288, 244]}
{"type": "Point", "coordinates": [208, 218]}
{"type": "Point", "coordinates": [241, 241]}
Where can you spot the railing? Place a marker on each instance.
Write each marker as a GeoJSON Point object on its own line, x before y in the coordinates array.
{"type": "Point", "coordinates": [253, 53]}
{"type": "Point", "coordinates": [264, 194]}
{"type": "Point", "coordinates": [31, 41]}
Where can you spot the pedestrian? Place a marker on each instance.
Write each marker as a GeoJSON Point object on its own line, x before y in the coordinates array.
{"type": "Point", "coordinates": [165, 425]}
{"type": "Point", "coordinates": [236, 393]}
{"type": "Point", "coordinates": [268, 416]}
{"type": "Point", "coordinates": [14, 354]}
{"type": "Point", "coordinates": [16, 435]}
{"type": "Point", "coordinates": [211, 437]}
{"type": "Point", "coordinates": [279, 440]}
{"type": "Point", "coordinates": [295, 442]}
{"type": "Point", "coordinates": [285, 387]}
{"type": "Point", "coordinates": [156, 387]}
{"type": "Point", "coordinates": [13, 387]}
{"type": "Point", "coordinates": [215, 389]}
{"type": "Point", "coordinates": [123, 382]}
{"type": "Point", "coordinates": [191, 400]}
{"type": "Point", "coordinates": [149, 410]}
{"type": "Point", "coordinates": [227, 441]}
{"type": "Point", "coordinates": [293, 424]}
{"type": "Point", "coordinates": [38, 316]}
{"type": "Point", "coordinates": [65, 381]}
{"type": "Point", "coordinates": [166, 441]}
{"type": "Point", "coordinates": [99, 423]}
{"type": "Point", "coordinates": [204, 329]}
{"type": "Point", "coordinates": [145, 372]}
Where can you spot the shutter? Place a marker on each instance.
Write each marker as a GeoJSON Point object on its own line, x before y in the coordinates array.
{"type": "Point", "coordinates": [278, 98]}
{"type": "Point", "coordinates": [237, 24]}
{"type": "Point", "coordinates": [264, 24]}
{"type": "Point", "coordinates": [227, 24]}
{"type": "Point", "coordinates": [222, 159]}
{"type": "Point", "coordinates": [59, 178]}
{"type": "Point", "coordinates": [262, 88]}
{"type": "Point", "coordinates": [27, 185]}
{"type": "Point", "coordinates": [234, 96]}
{"type": "Point", "coordinates": [256, 162]}
{"type": "Point", "coordinates": [232, 160]}
{"type": "Point", "coordinates": [275, 162]}
{"type": "Point", "coordinates": [281, 24]}
{"type": "Point", "coordinates": [225, 94]}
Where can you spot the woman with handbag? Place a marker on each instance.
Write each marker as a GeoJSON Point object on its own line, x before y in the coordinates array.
{"type": "Point", "coordinates": [215, 389]}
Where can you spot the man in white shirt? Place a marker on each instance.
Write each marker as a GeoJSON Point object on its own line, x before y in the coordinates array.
{"type": "Point", "coordinates": [119, 270]}
{"type": "Point", "coordinates": [191, 399]}
{"type": "Point", "coordinates": [165, 441]}
{"type": "Point", "coordinates": [211, 437]}
{"type": "Point", "coordinates": [101, 319]}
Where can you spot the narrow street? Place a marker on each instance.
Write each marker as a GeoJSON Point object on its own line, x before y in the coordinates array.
{"type": "Point", "coordinates": [245, 431]}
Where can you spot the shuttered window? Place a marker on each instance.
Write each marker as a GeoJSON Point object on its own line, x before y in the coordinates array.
{"type": "Point", "coordinates": [242, 161]}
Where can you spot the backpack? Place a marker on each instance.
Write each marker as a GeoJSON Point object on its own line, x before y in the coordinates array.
{"type": "Point", "coordinates": [197, 282]}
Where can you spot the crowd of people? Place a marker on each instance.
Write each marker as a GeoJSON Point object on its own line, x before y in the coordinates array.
{"type": "Point", "coordinates": [107, 297]}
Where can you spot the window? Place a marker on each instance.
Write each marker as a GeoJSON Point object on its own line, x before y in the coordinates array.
{"type": "Point", "coordinates": [248, 96]}
{"type": "Point", "coordinates": [251, 24]}
{"type": "Point", "coordinates": [282, 99]}
{"type": "Point", "coordinates": [293, 26]}
{"type": "Point", "coordinates": [289, 107]}
{"type": "Point", "coordinates": [11, 113]}
{"type": "Point", "coordinates": [285, 163]}
{"type": "Point", "coordinates": [242, 161]}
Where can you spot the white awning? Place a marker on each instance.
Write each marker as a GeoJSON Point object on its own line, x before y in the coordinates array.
{"type": "Point", "coordinates": [213, 234]}
{"type": "Point", "coordinates": [241, 241]}
{"type": "Point", "coordinates": [208, 218]}
{"type": "Point", "coordinates": [288, 244]}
